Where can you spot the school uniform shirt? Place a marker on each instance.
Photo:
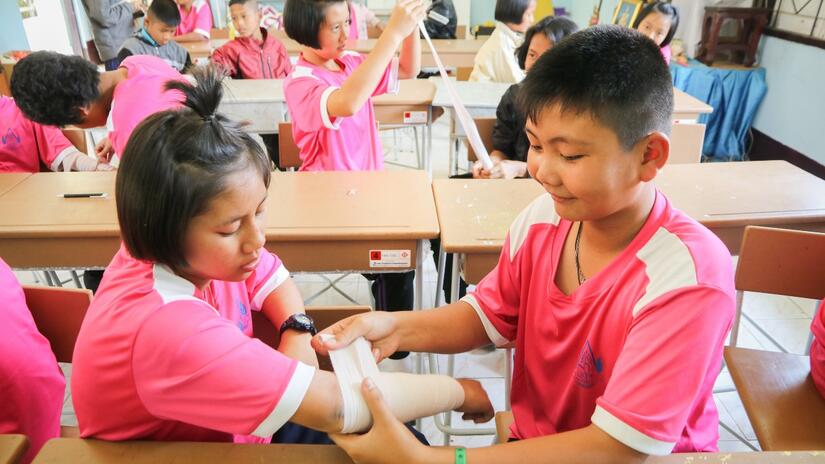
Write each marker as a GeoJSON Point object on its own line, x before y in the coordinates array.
{"type": "Point", "coordinates": [247, 58]}
{"type": "Point", "coordinates": [634, 350]}
{"type": "Point", "coordinates": [818, 349]}
{"type": "Point", "coordinates": [666, 53]}
{"type": "Point", "coordinates": [159, 359]}
{"type": "Point", "coordinates": [142, 43]}
{"type": "Point", "coordinates": [496, 59]}
{"type": "Point", "coordinates": [140, 95]}
{"type": "Point", "coordinates": [329, 143]}
{"type": "Point", "coordinates": [197, 19]}
{"type": "Point", "coordinates": [31, 384]}
{"type": "Point", "coordinates": [361, 18]}
{"type": "Point", "coordinates": [26, 145]}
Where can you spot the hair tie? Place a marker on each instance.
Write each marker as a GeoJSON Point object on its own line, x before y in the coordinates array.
{"type": "Point", "coordinates": [209, 117]}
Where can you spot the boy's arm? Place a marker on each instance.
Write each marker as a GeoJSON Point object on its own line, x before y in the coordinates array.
{"type": "Point", "coordinates": [110, 13]}
{"type": "Point", "coordinates": [359, 86]}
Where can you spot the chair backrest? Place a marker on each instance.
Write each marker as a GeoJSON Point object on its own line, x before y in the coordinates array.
{"type": "Point", "coordinates": [782, 262]}
{"type": "Point", "coordinates": [324, 316]}
{"type": "Point", "coordinates": [461, 31]}
{"type": "Point", "coordinates": [58, 314]}
{"type": "Point", "coordinates": [462, 73]}
{"type": "Point", "coordinates": [686, 142]}
{"type": "Point", "coordinates": [485, 130]}
{"type": "Point", "coordinates": [289, 156]}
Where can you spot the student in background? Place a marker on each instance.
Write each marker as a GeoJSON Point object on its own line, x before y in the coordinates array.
{"type": "Point", "coordinates": [254, 53]}
{"type": "Point", "coordinates": [31, 384]}
{"type": "Point", "coordinates": [818, 349]}
{"type": "Point", "coordinates": [618, 304]}
{"type": "Point", "coordinates": [659, 21]}
{"type": "Point", "coordinates": [361, 20]}
{"type": "Point", "coordinates": [166, 351]}
{"type": "Point", "coordinates": [195, 21]}
{"type": "Point", "coordinates": [510, 142]}
{"type": "Point", "coordinates": [496, 59]}
{"type": "Point", "coordinates": [26, 146]}
{"type": "Point", "coordinates": [329, 98]}
{"type": "Point", "coordinates": [155, 37]}
{"type": "Point", "coordinates": [113, 22]}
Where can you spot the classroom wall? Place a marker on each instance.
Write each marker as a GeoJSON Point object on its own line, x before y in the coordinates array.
{"type": "Point", "coordinates": [12, 34]}
{"type": "Point", "coordinates": [793, 111]}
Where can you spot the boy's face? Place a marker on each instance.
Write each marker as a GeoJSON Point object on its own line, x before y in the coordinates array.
{"type": "Point", "coordinates": [184, 3]}
{"type": "Point", "coordinates": [582, 165]}
{"type": "Point", "coordinates": [246, 18]}
{"type": "Point", "coordinates": [160, 32]}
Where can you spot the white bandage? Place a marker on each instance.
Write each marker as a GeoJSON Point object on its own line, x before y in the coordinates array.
{"type": "Point", "coordinates": [408, 396]}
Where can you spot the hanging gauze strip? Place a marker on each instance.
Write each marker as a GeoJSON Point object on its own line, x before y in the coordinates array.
{"type": "Point", "coordinates": [464, 117]}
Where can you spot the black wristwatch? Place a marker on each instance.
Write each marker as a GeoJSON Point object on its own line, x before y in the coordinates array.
{"type": "Point", "coordinates": [300, 322]}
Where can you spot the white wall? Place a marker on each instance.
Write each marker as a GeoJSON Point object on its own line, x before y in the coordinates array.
{"type": "Point", "coordinates": [47, 30]}
{"type": "Point", "coordinates": [793, 111]}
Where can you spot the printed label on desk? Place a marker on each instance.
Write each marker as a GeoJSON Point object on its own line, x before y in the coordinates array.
{"type": "Point", "coordinates": [390, 258]}
{"type": "Point", "coordinates": [415, 117]}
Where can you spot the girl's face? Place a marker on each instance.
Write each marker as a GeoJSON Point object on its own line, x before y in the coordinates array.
{"type": "Point", "coordinates": [527, 19]}
{"type": "Point", "coordinates": [334, 31]}
{"type": "Point", "coordinates": [225, 242]}
{"type": "Point", "coordinates": [656, 26]}
{"type": "Point", "coordinates": [539, 44]}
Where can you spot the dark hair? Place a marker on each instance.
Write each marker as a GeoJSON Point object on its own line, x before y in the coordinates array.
{"type": "Point", "coordinates": [554, 28]}
{"type": "Point", "coordinates": [51, 88]}
{"type": "Point", "coordinates": [174, 163]}
{"type": "Point", "coordinates": [666, 9]}
{"type": "Point", "coordinates": [166, 11]}
{"type": "Point", "coordinates": [612, 73]}
{"type": "Point", "coordinates": [240, 2]}
{"type": "Point", "coordinates": [511, 11]}
{"type": "Point", "coordinates": [303, 20]}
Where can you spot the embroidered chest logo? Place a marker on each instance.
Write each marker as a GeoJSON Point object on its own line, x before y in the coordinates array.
{"type": "Point", "coordinates": [243, 321]}
{"type": "Point", "coordinates": [10, 137]}
{"type": "Point", "coordinates": [587, 368]}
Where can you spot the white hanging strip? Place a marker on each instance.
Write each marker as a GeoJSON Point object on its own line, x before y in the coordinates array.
{"type": "Point", "coordinates": [464, 117]}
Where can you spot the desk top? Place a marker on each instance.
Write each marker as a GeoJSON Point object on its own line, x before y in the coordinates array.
{"type": "Point", "coordinates": [411, 92]}
{"type": "Point", "coordinates": [242, 91]}
{"type": "Point", "coordinates": [326, 206]}
{"type": "Point", "coordinates": [442, 46]}
{"type": "Point", "coordinates": [686, 104]}
{"type": "Point", "coordinates": [475, 214]}
{"type": "Point", "coordinates": [12, 448]}
{"type": "Point", "coordinates": [69, 450]}
{"type": "Point", "coordinates": [10, 179]}
{"type": "Point", "coordinates": [353, 205]}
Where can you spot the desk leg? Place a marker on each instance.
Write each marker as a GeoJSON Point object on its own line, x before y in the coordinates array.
{"type": "Point", "coordinates": [439, 281]}
{"type": "Point", "coordinates": [428, 143]}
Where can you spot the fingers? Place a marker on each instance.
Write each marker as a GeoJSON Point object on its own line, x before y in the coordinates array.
{"type": "Point", "coordinates": [375, 402]}
{"type": "Point", "coordinates": [345, 332]}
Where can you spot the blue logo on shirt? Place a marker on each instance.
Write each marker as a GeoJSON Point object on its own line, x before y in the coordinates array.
{"type": "Point", "coordinates": [587, 368]}
{"type": "Point", "coordinates": [10, 137]}
{"type": "Point", "coordinates": [243, 322]}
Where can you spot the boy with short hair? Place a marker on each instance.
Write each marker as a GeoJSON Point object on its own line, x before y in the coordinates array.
{"type": "Point", "coordinates": [618, 304]}
{"type": "Point", "coordinates": [155, 37]}
{"type": "Point", "coordinates": [254, 53]}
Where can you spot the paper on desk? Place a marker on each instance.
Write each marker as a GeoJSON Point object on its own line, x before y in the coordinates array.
{"type": "Point", "coordinates": [464, 117]}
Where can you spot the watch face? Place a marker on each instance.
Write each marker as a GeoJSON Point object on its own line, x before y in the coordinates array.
{"type": "Point", "coordinates": [303, 319]}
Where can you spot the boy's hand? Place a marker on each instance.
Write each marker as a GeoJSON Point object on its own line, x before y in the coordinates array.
{"type": "Point", "coordinates": [477, 406]}
{"type": "Point", "coordinates": [378, 327]}
{"type": "Point", "coordinates": [405, 17]}
{"type": "Point", "coordinates": [508, 169]}
{"type": "Point", "coordinates": [104, 150]}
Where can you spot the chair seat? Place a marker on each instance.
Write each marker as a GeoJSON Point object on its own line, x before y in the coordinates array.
{"type": "Point", "coordinates": [503, 421]}
{"type": "Point", "coordinates": [783, 405]}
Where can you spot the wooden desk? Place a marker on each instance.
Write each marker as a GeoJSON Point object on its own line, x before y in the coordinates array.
{"type": "Point", "coordinates": [316, 222]}
{"type": "Point", "coordinates": [413, 95]}
{"type": "Point", "coordinates": [687, 108]}
{"type": "Point", "coordinates": [75, 450]}
{"type": "Point", "coordinates": [776, 457]}
{"type": "Point", "coordinates": [198, 51]}
{"type": "Point", "coordinates": [10, 179]}
{"type": "Point", "coordinates": [12, 448]}
{"type": "Point", "coordinates": [475, 215]}
{"type": "Point", "coordinates": [453, 53]}
{"type": "Point", "coordinates": [259, 101]}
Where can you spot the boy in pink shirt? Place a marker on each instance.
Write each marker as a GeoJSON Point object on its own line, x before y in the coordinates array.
{"type": "Point", "coordinates": [27, 146]}
{"type": "Point", "coordinates": [195, 21]}
{"type": "Point", "coordinates": [31, 384]}
{"type": "Point", "coordinates": [818, 349]}
{"type": "Point", "coordinates": [62, 90]}
{"type": "Point", "coordinates": [617, 303]}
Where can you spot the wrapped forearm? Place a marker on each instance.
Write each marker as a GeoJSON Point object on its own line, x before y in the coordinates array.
{"type": "Point", "coordinates": [408, 396]}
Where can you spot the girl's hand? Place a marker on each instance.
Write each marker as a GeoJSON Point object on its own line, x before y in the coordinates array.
{"type": "Point", "coordinates": [388, 441]}
{"type": "Point", "coordinates": [378, 327]}
{"type": "Point", "coordinates": [405, 17]}
{"type": "Point", "coordinates": [104, 150]}
{"type": "Point", "coordinates": [479, 172]}
{"type": "Point", "coordinates": [508, 169]}
{"type": "Point", "coordinates": [477, 406]}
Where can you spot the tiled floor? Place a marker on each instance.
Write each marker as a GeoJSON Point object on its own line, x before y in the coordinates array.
{"type": "Point", "coordinates": [786, 319]}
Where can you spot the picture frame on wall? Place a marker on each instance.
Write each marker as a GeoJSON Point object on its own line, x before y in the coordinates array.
{"type": "Point", "coordinates": [626, 12]}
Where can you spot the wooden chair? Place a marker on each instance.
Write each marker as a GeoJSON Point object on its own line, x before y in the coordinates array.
{"type": "Point", "coordinates": [462, 73]}
{"type": "Point", "coordinates": [324, 316]}
{"type": "Point", "coordinates": [485, 130]}
{"type": "Point", "coordinates": [289, 156]}
{"type": "Point", "coordinates": [686, 141]}
{"type": "Point", "coordinates": [783, 405]}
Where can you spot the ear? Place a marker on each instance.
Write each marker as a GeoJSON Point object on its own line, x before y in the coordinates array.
{"type": "Point", "coordinates": [656, 154]}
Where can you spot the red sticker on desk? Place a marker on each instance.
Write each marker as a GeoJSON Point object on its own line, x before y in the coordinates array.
{"type": "Point", "coordinates": [390, 258]}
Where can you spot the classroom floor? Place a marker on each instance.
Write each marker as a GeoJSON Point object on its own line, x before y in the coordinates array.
{"type": "Point", "coordinates": [785, 319]}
